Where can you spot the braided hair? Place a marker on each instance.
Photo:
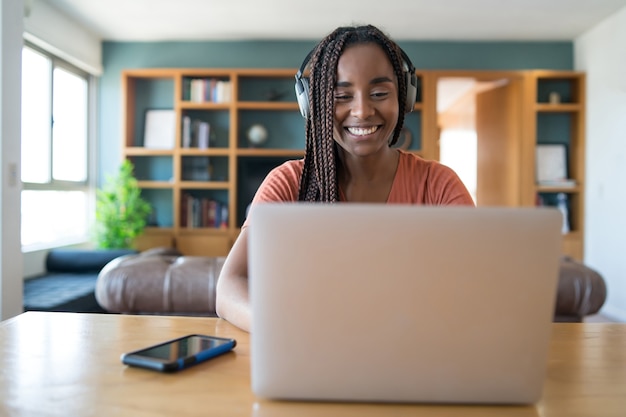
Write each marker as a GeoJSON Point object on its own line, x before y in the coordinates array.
{"type": "Point", "coordinates": [319, 176]}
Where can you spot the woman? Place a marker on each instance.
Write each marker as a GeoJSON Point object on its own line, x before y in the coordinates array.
{"type": "Point", "coordinates": [354, 101]}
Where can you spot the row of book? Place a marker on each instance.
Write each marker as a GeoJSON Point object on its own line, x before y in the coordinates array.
{"type": "Point", "coordinates": [196, 133]}
{"type": "Point", "coordinates": [203, 212]}
{"type": "Point", "coordinates": [202, 90]}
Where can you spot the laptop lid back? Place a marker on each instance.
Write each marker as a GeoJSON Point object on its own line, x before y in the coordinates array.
{"type": "Point", "coordinates": [393, 303]}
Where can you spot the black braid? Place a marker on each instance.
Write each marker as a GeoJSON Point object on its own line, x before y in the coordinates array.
{"type": "Point", "coordinates": [319, 176]}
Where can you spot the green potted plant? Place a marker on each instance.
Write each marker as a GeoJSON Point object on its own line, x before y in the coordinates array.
{"type": "Point", "coordinates": [121, 212]}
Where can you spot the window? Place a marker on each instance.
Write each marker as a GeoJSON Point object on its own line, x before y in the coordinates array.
{"type": "Point", "coordinates": [56, 196]}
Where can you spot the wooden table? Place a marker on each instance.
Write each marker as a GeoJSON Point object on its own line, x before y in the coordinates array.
{"type": "Point", "coordinates": [68, 364]}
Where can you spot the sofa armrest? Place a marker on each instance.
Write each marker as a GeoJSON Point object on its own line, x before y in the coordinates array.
{"type": "Point", "coordinates": [159, 284]}
{"type": "Point", "coordinates": [581, 291]}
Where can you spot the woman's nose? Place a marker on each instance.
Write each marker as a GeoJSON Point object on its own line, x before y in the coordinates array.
{"type": "Point", "coordinates": [362, 106]}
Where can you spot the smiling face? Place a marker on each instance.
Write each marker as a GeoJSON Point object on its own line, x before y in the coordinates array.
{"type": "Point", "coordinates": [366, 100]}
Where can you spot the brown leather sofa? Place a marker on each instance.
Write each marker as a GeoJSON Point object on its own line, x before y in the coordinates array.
{"type": "Point", "coordinates": [159, 281]}
{"type": "Point", "coordinates": [162, 281]}
{"type": "Point", "coordinates": [581, 291]}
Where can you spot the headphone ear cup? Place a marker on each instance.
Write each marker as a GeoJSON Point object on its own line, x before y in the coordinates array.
{"type": "Point", "coordinates": [411, 91]}
{"type": "Point", "coordinates": [302, 95]}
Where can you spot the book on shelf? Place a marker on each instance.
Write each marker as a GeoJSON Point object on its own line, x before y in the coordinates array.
{"type": "Point", "coordinates": [197, 90]}
{"type": "Point", "coordinates": [186, 132]}
{"type": "Point", "coordinates": [202, 135]}
{"type": "Point", "coordinates": [223, 224]}
{"type": "Point", "coordinates": [196, 133]}
{"type": "Point", "coordinates": [203, 212]}
{"type": "Point", "coordinates": [202, 90]}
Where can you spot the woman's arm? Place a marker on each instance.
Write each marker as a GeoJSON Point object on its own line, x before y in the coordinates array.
{"type": "Point", "coordinates": [233, 302]}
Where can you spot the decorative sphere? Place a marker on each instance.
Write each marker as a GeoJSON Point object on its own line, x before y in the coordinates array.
{"type": "Point", "coordinates": [257, 135]}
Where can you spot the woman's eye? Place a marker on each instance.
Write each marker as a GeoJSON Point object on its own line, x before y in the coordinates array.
{"type": "Point", "coordinates": [342, 96]}
{"type": "Point", "coordinates": [380, 94]}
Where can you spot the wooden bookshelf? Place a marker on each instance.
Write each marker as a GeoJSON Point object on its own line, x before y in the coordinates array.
{"type": "Point", "coordinates": [555, 114]}
{"type": "Point", "coordinates": [266, 96]}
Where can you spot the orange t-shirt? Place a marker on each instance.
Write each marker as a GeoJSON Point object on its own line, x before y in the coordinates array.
{"type": "Point", "coordinates": [417, 181]}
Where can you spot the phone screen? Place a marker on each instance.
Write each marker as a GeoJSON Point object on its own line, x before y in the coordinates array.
{"type": "Point", "coordinates": [179, 353]}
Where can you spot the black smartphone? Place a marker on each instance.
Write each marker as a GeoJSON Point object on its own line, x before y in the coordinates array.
{"type": "Point", "coordinates": [180, 353]}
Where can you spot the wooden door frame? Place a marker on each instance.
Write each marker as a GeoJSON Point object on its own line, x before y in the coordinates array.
{"type": "Point", "coordinates": [430, 133]}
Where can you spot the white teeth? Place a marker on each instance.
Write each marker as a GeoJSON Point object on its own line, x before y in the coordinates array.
{"type": "Point", "coordinates": [362, 131]}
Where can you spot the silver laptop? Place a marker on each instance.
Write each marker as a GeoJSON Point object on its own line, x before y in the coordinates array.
{"type": "Point", "coordinates": [399, 303]}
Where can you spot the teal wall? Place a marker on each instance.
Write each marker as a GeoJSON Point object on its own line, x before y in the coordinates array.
{"type": "Point", "coordinates": [117, 56]}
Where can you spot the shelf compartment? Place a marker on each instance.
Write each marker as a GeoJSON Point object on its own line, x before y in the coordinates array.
{"type": "Point", "coordinates": [554, 127]}
{"type": "Point", "coordinates": [204, 168]}
{"type": "Point", "coordinates": [573, 203]}
{"type": "Point", "coordinates": [285, 129]}
{"type": "Point", "coordinates": [148, 94]}
{"type": "Point", "coordinates": [276, 89]}
{"type": "Point", "coordinates": [204, 209]}
{"type": "Point", "coordinates": [162, 208]}
{"type": "Point", "coordinates": [251, 171]}
{"type": "Point", "coordinates": [567, 89]}
{"type": "Point", "coordinates": [158, 168]}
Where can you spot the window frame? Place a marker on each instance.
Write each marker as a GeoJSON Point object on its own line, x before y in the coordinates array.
{"type": "Point", "coordinates": [87, 186]}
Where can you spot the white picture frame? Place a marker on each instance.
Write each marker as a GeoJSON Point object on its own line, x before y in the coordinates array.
{"type": "Point", "coordinates": [551, 163]}
{"type": "Point", "coordinates": [160, 129]}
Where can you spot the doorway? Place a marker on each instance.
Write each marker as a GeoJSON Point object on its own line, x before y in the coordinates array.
{"type": "Point", "coordinates": [479, 134]}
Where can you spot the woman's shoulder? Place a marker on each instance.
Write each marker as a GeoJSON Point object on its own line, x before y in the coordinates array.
{"type": "Point", "coordinates": [413, 162]}
{"type": "Point", "coordinates": [292, 167]}
{"type": "Point", "coordinates": [428, 182]}
{"type": "Point", "coordinates": [289, 171]}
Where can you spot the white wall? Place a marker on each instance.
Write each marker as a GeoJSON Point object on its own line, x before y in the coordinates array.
{"type": "Point", "coordinates": [50, 29]}
{"type": "Point", "coordinates": [11, 12]}
{"type": "Point", "coordinates": [601, 53]}
{"type": "Point", "coordinates": [53, 31]}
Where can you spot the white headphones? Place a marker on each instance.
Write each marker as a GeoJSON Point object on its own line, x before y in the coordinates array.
{"type": "Point", "coordinates": [302, 85]}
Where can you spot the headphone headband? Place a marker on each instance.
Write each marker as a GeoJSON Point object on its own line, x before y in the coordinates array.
{"type": "Point", "coordinates": [302, 84]}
